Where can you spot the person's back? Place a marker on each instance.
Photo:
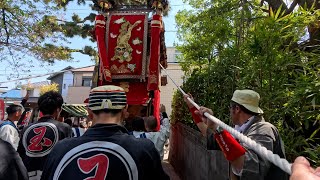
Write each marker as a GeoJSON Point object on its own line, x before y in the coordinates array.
{"type": "Point", "coordinates": [270, 137]}
{"type": "Point", "coordinates": [159, 138]}
{"type": "Point", "coordinates": [38, 139]}
{"type": "Point", "coordinates": [78, 131]}
{"type": "Point", "coordinates": [11, 164]}
{"type": "Point", "coordinates": [149, 124]}
{"type": "Point", "coordinates": [105, 151]}
{"type": "Point", "coordinates": [138, 128]}
{"type": "Point", "coordinates": [108, 151]}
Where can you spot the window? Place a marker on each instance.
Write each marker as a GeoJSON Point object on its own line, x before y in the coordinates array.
{"type": "Point", "coordinates": [86, 81]}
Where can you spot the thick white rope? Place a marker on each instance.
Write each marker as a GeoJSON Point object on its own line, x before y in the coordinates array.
{"type": "Point", "coordinates": [251, 144]}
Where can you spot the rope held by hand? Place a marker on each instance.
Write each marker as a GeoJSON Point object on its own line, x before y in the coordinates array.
{"type": "Point", "coordinates": [262, 151]}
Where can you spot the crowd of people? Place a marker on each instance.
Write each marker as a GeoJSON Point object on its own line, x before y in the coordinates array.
{"type": "Point", "coordinates": [50, 149]}
{"type": "Point", "coordinates": [78, 129]}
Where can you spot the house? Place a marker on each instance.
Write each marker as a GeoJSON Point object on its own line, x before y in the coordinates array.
{"type": "Point", "coordinates": [80, 89]}
{"type": "Point", "coordinates": [11, 96]}
{"type": "Point", "coordinates": [74, 83]}
{"type": "Point", "coordinates": [16, 95]}
{"type": "Point", "coordinates": [33, 88]}
{"type": "Point", "coordinates": [34, 92]}
{"type": "Point", "coordinates": [176, 73]}
{"type": "Point", "coordinates": [64, 79]}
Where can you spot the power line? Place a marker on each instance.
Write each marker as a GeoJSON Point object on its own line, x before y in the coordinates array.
{"type": "Point", "coordinates": [40, 75]}
{"type": "Point", "coordinates": [31, 77]}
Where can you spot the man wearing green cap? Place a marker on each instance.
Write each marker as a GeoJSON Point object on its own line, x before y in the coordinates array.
{"type": "Point", "coordinates": [105, 151]}
{"type": "Point", "coordinates": [247, 117]}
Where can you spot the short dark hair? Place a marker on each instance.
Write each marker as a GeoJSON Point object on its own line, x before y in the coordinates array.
{"type": "Point", "coordinates": [242, 108]}
{"type": "Point", "coordinates": [151, 122]}
{"type": "Point", "coordinates": [108, 111]}
{"type": "Point", "coordinates": [68, 121]}
{"type": "Point", "coordinates": [13, 108]}
{"type": "Point", "coordinates": [49, 102]}
{"type": "Point", "coordinates": [138, 124]}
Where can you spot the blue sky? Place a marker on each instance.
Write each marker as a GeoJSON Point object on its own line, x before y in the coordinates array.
{"type": "Point", "coordinates": [81, 60]}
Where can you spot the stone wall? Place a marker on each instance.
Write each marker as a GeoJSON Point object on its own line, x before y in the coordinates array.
{"type": "Point", "coordinates": [191, 159]}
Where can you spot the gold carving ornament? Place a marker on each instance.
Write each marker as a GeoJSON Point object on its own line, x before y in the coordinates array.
{"type": "Point", "coordinates": [123, 50]}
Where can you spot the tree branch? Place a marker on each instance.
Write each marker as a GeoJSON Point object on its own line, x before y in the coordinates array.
{"type": "Point", "coordinates": [292, 6]}
{"type": "Point", "coordinates": [90, 17]}
{"type": "Point", "coordinates": [5, 24]}
{"type": "Point", "coordinates": [276, 4]}
{"type": "Point", "coordinates": [11, 44]}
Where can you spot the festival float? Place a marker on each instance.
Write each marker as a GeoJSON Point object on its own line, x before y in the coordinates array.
{"type": "Point", "coordinates": [131, 45]}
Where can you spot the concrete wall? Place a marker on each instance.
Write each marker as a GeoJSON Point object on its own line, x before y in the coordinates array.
{"type": "Point", "coordinates": [191, 159]}
{"type": "Point", "coordinates": [174, 70]}
{"type": "Point", "coordinates": [77, 94]}
{"type": "Point", "coordinates": [67, 81]}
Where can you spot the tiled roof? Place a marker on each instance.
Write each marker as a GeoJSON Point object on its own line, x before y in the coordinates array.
{"type": "Point", "coordinates": [36, 84]}
{"type": "Point", "coordinates": [77, 110]}
{"type": "Point", "coordinates": [12, 94]}
{"type": "Point", "coordinates": [55, 74]}
{"type": "Point", "coordinates": [84, 69]}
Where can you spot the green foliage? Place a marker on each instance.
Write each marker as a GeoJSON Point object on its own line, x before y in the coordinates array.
{"type": "Point", "coordinates": [33, 28]}
{"type": "Point", "coordinates": [228, 46]}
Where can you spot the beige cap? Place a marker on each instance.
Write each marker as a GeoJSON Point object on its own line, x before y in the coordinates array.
{"type": "Point", "coordinates": [248, 99]}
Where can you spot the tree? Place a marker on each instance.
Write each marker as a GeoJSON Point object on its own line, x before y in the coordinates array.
{"type": "Point", "coordinates": [232, 44]}
{"type": "Point", "coordinates": [308, 5]}
{"type": "Point", "coordinates": [47, 88]}
{"type": "Point", "coordinates": [32, 28]}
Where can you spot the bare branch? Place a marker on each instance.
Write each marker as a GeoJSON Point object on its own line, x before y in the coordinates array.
{"type": "Point", "coordinates": [5, 24]}
{"type": "Point", "coordinates": [14, 45]}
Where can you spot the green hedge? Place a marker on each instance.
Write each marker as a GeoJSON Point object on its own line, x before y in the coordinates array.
{"type": "Point", "coordinates": [227, 46]}
{"type": "Point", "coordinates": [297, 121]}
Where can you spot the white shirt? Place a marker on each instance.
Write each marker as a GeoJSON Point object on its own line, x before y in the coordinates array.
{"type": "Point", "coordinates": [244, 126]}
{"type": "Point", "coordinates": [158, 138]}
{"type": "Point", "coordinates": [81, 132]}
{"type": "Point", "coordinates": [10, 134]}
{"type": "Point", "coordinates": [138, 134]}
